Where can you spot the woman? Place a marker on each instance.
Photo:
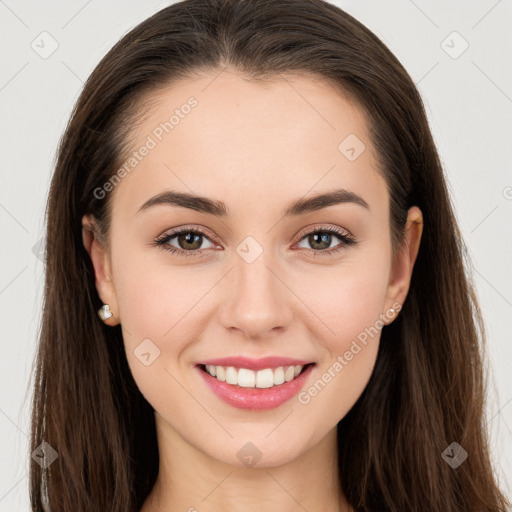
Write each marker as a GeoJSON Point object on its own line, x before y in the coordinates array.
{"type": "Point", "coordinates": [249, 198]}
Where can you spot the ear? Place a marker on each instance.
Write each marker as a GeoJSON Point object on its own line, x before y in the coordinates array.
{"type": "Point", "coordinates": [401, 272]}
{"type": "Point", "coordinates": [100, 258]}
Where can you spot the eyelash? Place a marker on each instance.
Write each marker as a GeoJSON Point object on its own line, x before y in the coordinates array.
{"type": "Point", "coordinates": [346, 239]}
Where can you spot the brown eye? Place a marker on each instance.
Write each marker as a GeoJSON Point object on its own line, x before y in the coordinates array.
{"type": "Point", "coordinates": [320, 240]}
{"type": "Point", "coordinates": [189, 242]}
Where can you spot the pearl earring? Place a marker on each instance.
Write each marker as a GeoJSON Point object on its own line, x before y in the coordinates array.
{"type": "Point", "coordinates": [104, 312]}
{"type": "Point", "coordinates": [392, 312]}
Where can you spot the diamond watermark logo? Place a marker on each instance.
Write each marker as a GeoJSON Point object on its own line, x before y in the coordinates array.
{"type": "Point", "coordinates": [146, 352]}
{"type": "Point", "coordinates": [44, 45]}
{"type": "Point", "coordinates": [44, 455]}
{"type": "Point", "coordinates": [249, 249]}
{"type": "Point", "coordinates": [454, 45]}
{"type": "Point", "coordinates": [39, 249]}
{"type": "Point", "coordinates": [454, 455]}
{"type": "Point", "coordinates": [352, 147]}
{"type": "Point", "coordinates": [249, 454]}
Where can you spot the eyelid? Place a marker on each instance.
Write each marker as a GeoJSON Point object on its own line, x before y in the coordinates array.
{"type": "Point", "coordinates": [347, 239]}
{"type": "Point", "coordinates": [185, 229]}
{"type": "Point", "coordinates": [323, 227]}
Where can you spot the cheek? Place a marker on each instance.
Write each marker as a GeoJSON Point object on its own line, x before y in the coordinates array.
{"type": "Point", "coordinates": [348, 322]}
{"type": "Point", "coordinates": [153, 318]}
{"type": "Point", "coordinates": [159, 307]}
{"type": "Point", "coordinates": [350, 354]}
{"type": "Point", "coordinates": [155, 300]}
{"type": "Point", "coordinates": [345, 300]}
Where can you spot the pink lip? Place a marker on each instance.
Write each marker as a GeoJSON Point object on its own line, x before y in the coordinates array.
{"type": "Point", "coordinates": [257, 399]}
{"type": "Point", "coordinates": [255, 364]}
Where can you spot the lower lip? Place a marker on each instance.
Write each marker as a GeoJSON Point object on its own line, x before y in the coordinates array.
{"type": "Point", "coordinates": [256, 399]}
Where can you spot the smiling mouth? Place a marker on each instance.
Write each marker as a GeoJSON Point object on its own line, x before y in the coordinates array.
{"type": "Point", "coordinates": [245, 378]}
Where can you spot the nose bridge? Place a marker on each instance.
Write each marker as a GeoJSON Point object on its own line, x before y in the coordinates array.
{"type": "Point", "coordinates": [258, 299]}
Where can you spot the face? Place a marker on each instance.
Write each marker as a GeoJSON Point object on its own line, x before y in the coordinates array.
{"type": "Point", "coordinates": [248, 276]}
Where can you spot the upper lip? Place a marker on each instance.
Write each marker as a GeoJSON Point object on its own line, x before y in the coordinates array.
{"type": "Point", "coordinates": [255, 364]}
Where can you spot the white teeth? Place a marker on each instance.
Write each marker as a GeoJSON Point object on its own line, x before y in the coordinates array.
{"type": "Point", "coordinates": [264, 378]}
{"type": "Point", "coordinates": [231, 375]}
{"type": "Point", "coordinates": [245, 378]}
{"type": "Point", "coordinates": [219, 372]}
{"type": "Point", "coordinates": [279, 375]}
{"type": "Point", "coordinates": [289, 373]}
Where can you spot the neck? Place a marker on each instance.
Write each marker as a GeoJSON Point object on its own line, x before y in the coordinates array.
{"type": "Point", "coordinates": [190, 480]}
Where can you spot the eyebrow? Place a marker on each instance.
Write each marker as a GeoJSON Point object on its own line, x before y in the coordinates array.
{"type": "Point", "coordinates": [219, 209]}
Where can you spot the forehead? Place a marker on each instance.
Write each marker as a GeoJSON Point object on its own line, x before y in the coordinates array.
{"type": "Point", "coordinates": [228, 137]}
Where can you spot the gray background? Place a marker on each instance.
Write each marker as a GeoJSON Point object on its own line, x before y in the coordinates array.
{"type": "Point", "coordinates": [469, 103]}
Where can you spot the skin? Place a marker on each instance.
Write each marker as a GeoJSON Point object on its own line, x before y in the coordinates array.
{"type": "Point", "coordinates": [257, 147]}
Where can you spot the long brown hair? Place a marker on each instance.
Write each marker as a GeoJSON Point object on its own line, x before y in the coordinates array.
{"type": "Point", "coordinates": [428, 386]}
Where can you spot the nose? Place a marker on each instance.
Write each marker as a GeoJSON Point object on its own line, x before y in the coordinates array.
{"type": "Point", "coordinates": [258, 301]}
